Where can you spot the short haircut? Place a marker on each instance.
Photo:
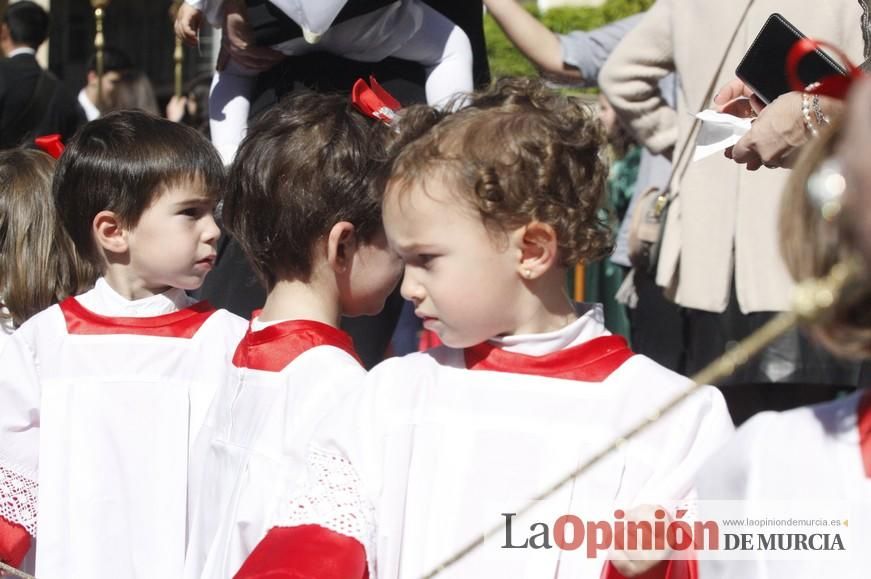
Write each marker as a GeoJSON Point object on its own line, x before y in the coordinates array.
{"type": "Point", "coordinates": [114, 60]}
{"type": "Point", "coordinates": [308, 163]}
{"type": "Point", "coordinates": [122, 162]}
{"type": "Point", "coordinates": [520, 152]}
{"type": "Point", "coordinates": [28, 23]}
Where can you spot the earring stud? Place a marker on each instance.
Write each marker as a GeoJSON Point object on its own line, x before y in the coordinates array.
{"type": "Point", "coordinates": [527, 273]}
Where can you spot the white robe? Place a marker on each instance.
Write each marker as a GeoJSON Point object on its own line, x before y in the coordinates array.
{"type": "Point", "coordinates": [430, 454]}
{"type": "Point", "coordinates": [808, 456]}
{"type": "Point", "coordinates": [287, 377]}
{"type": "Point", "coordinates": [100, 401]}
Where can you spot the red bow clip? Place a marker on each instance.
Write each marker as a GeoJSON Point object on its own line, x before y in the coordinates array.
{"type": "Point", "coordinates": [375, 102]}
{"type": "Point", "coordinates": [834, 85]}
{"type": "Point", "coordinates": [51, 144]}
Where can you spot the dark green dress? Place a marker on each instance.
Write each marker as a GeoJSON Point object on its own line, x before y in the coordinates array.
{"type": "Point", "coordinates": [602, 278]}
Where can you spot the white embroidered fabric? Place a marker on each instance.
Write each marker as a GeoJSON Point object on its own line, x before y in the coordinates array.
{"type": "Point", "coordinates": [333, 499]}
{"type": "Point", "coordinates": [18, 499]}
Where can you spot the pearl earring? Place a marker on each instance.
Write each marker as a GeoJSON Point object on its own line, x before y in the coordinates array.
{"type": "Point", "coordinates": [527, 273]}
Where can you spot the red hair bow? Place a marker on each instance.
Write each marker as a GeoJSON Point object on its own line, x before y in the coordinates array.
{"type": "Point", "coordinates": [835, 85]}
{"type": "Point", "coordinates": [51, 144]}
{"type": "Point", "coordinates": [373, 101]}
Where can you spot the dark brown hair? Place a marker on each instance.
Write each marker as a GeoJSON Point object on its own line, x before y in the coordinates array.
{"type": "Point", "coordinates": [811, 246]}
{"type": "Point", "coordinates": [121, 162]}
{"type": "Point", "coordinates": [308, 163]}
{"type": "Point", "coordinates": [38, 265]}
{"type": "Point", "coordinates": [521, 152]}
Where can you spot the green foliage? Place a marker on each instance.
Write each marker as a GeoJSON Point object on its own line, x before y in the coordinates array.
{"type": "Point", "coordinates": [505, 60]}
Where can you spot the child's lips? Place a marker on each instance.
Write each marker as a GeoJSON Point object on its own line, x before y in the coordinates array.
{"type": "Point", "coordinates": [209, 260]}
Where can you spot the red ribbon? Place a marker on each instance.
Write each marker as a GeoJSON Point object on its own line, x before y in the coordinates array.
{"type": "Point", "coordinates": [51, 144]}
{"type": "Point", "coordinates": [835, 85]}
{"type": "Point", "coordinates": [373, 101]}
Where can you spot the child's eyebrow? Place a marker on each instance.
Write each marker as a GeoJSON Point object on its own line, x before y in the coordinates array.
{"type": "Point", "coordinates": [413, 247]}
{"type": "Point", "coordinates": [204, 200]}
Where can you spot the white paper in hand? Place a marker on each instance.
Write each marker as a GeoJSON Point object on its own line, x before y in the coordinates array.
{"type": "Point", "coordinates": [718, 132]}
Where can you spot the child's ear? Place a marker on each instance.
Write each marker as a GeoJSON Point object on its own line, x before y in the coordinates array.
{"type": "Point", "coordinates": [109, 233]}
{"type": "Point", "coordinates": [341, 246]}
{"type": "Point", "coordinates": [538, 246]}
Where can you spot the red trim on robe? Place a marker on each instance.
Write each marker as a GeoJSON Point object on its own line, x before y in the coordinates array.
{"type": "Point", "coordinates": [672, 569]}
{"type": "Point", "coordinates": [592, 361]}
{"type": "Point", "coordinates": [274, 347]}
{"type": "Point", "coordinates": [864, 425]}
{"type": "Point", "coordinates": [14, 542]}
{"type": "Point", "coordinates": [305, 552]}
{"type": "Point", "coordinates": [181, 324]}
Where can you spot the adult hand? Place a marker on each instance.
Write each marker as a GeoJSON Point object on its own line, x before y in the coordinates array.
{"type": "Point", "coordinates": [238, 44]}
{"type": "Point", "coordinates": [777, 132]}
{"type": "Point", "coordinates": [187, 23]}
{"type": "Point", "coordinates": [176, 108]}
{"type": "Point", "coordinates": [735, 98]}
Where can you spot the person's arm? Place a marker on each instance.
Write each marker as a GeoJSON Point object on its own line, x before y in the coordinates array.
{"type": "Point", "coordinates": [630, 79]}
{"type": "Point", "coordinates": [532, 38]}
{"type": "Point", "coordinates": [587, 51]}
{"type": "Point", "coordinates": [305, 552]}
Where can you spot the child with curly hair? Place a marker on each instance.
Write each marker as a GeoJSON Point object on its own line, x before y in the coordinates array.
{"type": "Point", "coordinates": [488, 210]}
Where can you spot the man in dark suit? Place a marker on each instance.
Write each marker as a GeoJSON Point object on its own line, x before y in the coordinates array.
{"type": "Point", "coordinates": [33, 101]}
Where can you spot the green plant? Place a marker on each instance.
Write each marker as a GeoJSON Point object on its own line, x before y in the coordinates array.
{"type": "Point", "coordinates": [505, 60]}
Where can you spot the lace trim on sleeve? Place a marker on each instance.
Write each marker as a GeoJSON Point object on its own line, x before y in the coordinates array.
{"type": "Point", "coordinates": [332, 499]}
{"type": "Point", "coordinates": [18, 499]}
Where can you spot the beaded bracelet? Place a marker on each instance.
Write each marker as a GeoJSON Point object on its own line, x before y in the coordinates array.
{"type": "Point", "coordinates": [806, 113]}
{"type": "Point", "coordinates": [822, 119]}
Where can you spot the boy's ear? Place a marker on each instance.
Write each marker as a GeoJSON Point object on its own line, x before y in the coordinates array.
{"type": "Point", "coordinates": [108, 232]}
{"type": "Point", "coordinates": [341, 246]}
{"type": "Point", "coordinates": [538, 246]}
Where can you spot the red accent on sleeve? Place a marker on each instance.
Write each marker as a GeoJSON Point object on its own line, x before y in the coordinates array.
{"type": "Point", "coordinates": [14, 542]}
{"type": "Point", "coordinates": [682, 569]}
{"type": "Point", "coordinates": [305, 552]}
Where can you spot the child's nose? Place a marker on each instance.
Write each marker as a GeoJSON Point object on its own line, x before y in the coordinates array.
{"type": "Point", "coordinates": [411, 289]}
{"type": "Point", "coordinates": [211, 231]}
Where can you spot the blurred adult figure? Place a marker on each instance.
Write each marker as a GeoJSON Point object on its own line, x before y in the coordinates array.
{"type": "Point", "coordinates": [719, 256]}
{"type": "Point", "coordinates": [33, 101]}
{"type": "Point", "coordinates": [115, 65]}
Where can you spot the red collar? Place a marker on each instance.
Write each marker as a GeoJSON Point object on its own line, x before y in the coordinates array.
{"type": "Point", "coordinates": [592, 361]}
{"type": "Point", "coordinates": [864, 425]}
{"type": "Point", "coordinates": [274, 347]}
{"type": "Point", "coordinates": [181, 324]}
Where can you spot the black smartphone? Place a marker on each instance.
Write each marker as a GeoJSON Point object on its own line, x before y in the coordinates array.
{"type": "Point", "coordinates": [763, 68]}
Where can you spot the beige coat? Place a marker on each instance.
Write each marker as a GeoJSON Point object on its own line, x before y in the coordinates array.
{"type": "Point", "coordinates": [725, 217]}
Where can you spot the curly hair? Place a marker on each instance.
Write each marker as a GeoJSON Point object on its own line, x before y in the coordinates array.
{"type": "Point", "coordinates": [520, 152]}
{"type": "Point", "coordinates": [812, 245]}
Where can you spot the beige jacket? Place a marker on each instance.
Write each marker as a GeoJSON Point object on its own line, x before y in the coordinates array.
{"type": "Point", "coordinates": [724, 218]}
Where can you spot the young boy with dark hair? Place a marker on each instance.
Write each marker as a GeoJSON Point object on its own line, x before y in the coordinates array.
{"type": "Point", "coordinates": [102, 395]}
{"type": "Point", "coordinates": [303, 202]}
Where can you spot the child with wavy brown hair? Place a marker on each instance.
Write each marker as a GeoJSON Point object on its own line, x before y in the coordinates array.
{"type": "Point", "coordinates": [812, 453]}
{"type": "Point", "coordinates": [38, 265]}
{"type": "Point", "coordinates": [488, 210]}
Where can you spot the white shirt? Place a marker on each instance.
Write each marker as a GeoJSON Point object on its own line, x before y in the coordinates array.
{"type": "Point", "coordinates": [91, 110]}
{"type": "Point", "coordinates": [438, 445]}
{"type": "Point", "coordinates": [101, 399]}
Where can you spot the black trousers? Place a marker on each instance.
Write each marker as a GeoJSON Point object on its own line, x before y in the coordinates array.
{"type": "Point", "coordinates": [793, 371]}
